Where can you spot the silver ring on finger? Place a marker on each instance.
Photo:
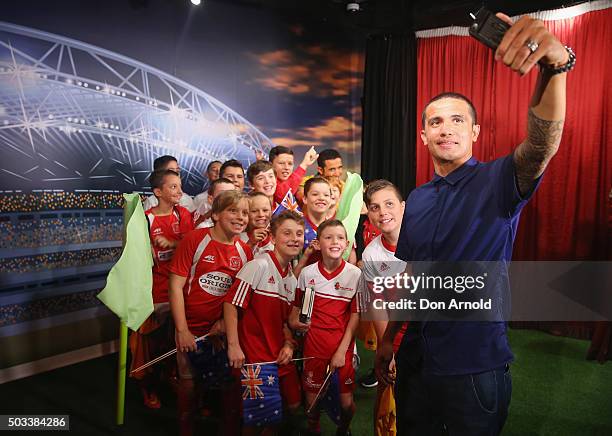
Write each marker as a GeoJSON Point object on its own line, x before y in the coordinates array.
{"type": "Point", "coordinates": [532, 45]}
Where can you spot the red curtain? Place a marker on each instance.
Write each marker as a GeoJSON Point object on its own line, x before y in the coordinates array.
{"type": "Point", "coordinates": [567, 219]}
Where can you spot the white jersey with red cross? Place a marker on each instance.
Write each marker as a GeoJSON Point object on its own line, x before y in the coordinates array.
{"type": "Point", "coordinates": [265, 291]}
{"type": "Point", "coordinates": [335, 300]}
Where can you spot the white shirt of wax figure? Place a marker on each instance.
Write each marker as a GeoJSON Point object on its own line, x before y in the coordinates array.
{"type": "Point", "coordinates": [379, 261]}
{"type": "Point", "coordinates": [186, 202]}
{"type": "Point", "coordinates": [201, 204]}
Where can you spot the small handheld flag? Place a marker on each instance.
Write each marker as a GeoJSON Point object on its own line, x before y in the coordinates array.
{"type": "Point", "coordinates": [162, 357]}
{"type": "Point", "coordinates": [310, 234]}
{"type": "Point", "coordinates": [331, 399]}
{"type": "Point", "coordinates": [288, 203]}
{"type": "Point", "coordinates": [211, 365]}
{"type": "Point", "coordinates": [262, 404]}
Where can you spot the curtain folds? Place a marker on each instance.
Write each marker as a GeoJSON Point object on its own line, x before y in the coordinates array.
{"type": "Point", "coordinates": [567, 219]}
{"type": "Point", "coordinates": [389, 100]}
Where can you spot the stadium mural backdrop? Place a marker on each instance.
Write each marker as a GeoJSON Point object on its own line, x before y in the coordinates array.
{"type": "Point", "coordinates": [92, 93]}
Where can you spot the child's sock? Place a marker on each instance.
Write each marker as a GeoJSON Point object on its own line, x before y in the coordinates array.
{"type": "Point", "coordinates": [292, 423]}
{"type": "Point", "coordinates": [186, 405]}
{"type": "Point", "coordinates": [346, 415]}
{"type": "Point", "coordinates": [314, 425]}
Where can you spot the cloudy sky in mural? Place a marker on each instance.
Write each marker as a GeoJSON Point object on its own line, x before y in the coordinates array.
{"type": "Point", "coordinates": [296, 79]}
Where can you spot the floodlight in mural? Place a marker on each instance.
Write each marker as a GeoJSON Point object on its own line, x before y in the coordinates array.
{"type": "Point", "coordinates": [73, 115]}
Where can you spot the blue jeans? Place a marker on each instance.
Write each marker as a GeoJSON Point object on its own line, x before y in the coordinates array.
{"type": "Point", "coordinates": [465, 405]}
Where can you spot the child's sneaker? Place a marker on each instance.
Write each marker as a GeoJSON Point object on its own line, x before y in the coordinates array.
{"type": "Point", "coordinates": [151, 400]}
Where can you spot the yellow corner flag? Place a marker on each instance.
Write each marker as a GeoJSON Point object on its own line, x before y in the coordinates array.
{"type": "Point", "coordinates": [129, 282]}
{"type": "Point", "coordinates": [385, 414]}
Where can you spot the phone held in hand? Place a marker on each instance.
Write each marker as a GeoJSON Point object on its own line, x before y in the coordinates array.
{"type": "Point", "coordinates": [487, 28]}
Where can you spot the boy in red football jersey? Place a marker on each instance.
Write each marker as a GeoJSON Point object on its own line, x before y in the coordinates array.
{"type": "Point", "coordinates": [258, 235]}
{"type": "Point", "coordinates": [329, 339]}
{"type": "Point", "coordinates": [317, 199]}
{"type": "Point", "coordinates": [202, 271]}
{"type": "Point", "coordinates": [262, 179]}
{"type": "Point", "coordinates": [264, 290]}
{"type": "Point", "coordinates": [168, 223]}
{"type": "Point", "coordinates": [282, 161]}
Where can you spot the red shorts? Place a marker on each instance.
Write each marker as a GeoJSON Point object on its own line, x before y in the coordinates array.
{"type": "Point", "coordinates": [315, 371]}
{"type": "Point", "coordinates": [290, 387]}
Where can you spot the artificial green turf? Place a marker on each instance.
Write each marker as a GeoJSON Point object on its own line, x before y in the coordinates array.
{"type": "Point", "coordinates": [555, 392]}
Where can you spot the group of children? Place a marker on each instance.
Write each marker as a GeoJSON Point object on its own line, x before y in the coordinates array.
{"type": "Point", "coordinates": [234, 273]}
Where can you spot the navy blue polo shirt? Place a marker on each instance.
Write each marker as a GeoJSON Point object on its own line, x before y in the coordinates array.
{"type": "Point", "coordinates": [470, 215]}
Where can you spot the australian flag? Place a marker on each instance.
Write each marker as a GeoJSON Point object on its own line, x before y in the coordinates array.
{"type": "Point", "coordinates": [309, 234]}
{"type": "Point", "coordinates": [289, 203]}
{"type": "Point", "coordinates": [331, 399]}
{"type": "Point", "coordinates": [210, 365]}
{"type": "Point", "coordinates": [262, 404]}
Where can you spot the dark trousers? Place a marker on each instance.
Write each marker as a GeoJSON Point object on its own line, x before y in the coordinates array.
{"type": "Point", "coordinates": [465, 405]}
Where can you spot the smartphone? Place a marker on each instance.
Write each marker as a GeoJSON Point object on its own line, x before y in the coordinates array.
{"type": "Point", "coordinates": [487, 28]}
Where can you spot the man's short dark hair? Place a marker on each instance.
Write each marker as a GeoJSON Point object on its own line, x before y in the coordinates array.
{"type": "Point", "coordinates": [161, 162]}
{"type": "Point", "coordinates": [257, 167]}
{"type": "Point", "coordinates": [328, 154]}
{"type": "Point", "coordinates": [279, 149]}
{"type": "Point", "coordinates": [156, 179]}
{"type": "Point", "coordinates": [211, 164]}
{"type": "Point", "coordinates": [230, 163]}
{"type": "Point", "coordinates": [378, 185]}
{"type": "Point", "coordinates": [450, 95]}
{"type": "Point", "coordinates": [213, 185]}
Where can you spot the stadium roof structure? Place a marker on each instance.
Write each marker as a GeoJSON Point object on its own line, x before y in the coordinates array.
{"type": "Point", "coordinates": [76, 116]}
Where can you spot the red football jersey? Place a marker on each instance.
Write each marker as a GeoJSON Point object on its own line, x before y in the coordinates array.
{"type": "Point", "coordinates": [335, 299]}
{"type": "Point", "coordinates": [265, 293]}
{"type": "Point", "coordinates": [210, 267]}
{"type": "Point", "coordinates": [172, 227]}
{"type": "Point", "coordinates": [370, 231]}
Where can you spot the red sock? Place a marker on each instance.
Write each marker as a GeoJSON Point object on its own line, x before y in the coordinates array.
{"type": "Point", "coordinates": [186, 406]}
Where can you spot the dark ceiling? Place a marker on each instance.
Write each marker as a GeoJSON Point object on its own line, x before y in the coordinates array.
{"type": "Point", "coordinates": [393, 16]}
{"type": "Point", "coordinates": [383, 16]}
{"type": "Point", "coordinates": [429, 14]}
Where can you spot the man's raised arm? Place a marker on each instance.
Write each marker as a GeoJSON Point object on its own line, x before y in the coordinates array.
{"type": "Point", "coordinates": [525, 44]}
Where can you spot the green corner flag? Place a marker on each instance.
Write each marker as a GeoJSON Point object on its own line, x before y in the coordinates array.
{"type": "Point", "coordinates": [129, 282]}
{"type": "Point", "coordinates": [349, 209]}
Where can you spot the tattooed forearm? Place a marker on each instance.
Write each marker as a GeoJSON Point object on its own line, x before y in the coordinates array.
{"type": "Point", "coordinates": [532, 156]}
